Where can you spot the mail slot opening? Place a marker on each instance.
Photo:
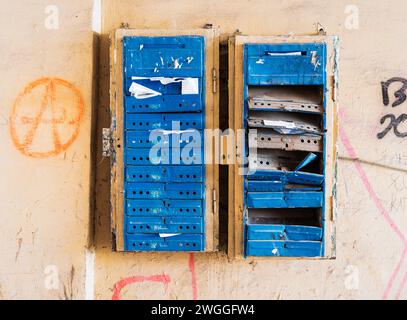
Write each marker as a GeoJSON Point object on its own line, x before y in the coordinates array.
{"type": "Point", "coordinates": [290, 216]}
{"type": "Point", "coordinates": [288, 117]}
{"type": "Point", "coordinates": [293, 98]}
{"type": "Point", "coordinates": [278, 160]}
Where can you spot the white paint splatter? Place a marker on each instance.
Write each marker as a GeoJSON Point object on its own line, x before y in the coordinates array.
{"type": "Point", "coordinates": [260, 61]}
{"type": "Point", "coordinates": [90, 274]}
{"type": "Point", "coordinates": [189, 59]}
{"type": "Point", "coordinates": [162, 61]}
{"type": "Point", "coordinates": [141, 46]}
{"type": "Point", "coordinates": [351, 277]}
{"type": "Point", "coordinates": [97, 16]}
{"type": "Point", "coordinates": [156, 70]}
{"type": "Point", "coordinates": [176, 63]}
{"type": "Point", "coordinates": [314, 60]}
{"type": "Point", "coordinates": [274, 251]}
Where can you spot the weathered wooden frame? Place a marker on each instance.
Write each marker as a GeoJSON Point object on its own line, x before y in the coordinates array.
{"type": "Point", "coordinates": [212, 122]}
{"type": "Point", "coordinates": [236, 85]}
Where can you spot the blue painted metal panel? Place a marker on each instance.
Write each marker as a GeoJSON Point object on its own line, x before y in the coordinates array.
{"type": "Point", "coordinates": [265, 186]}
{"type": "Point", "coordinates": [283, 232]}
{"type": "Point", "coordinates": [187, 174]}
{"type": "Point", "coordinates": [144, 242]}
{"type": "Point", "coordinates": [145, 191]}
{"type": "Point", "coordinates": [146, 208]}
{"type": "Point", "coordinates": [164, 191]}
{"type": "Point", "coordinates": [162, 156]}
{"type": "Point", "coordinates": [159, 104]}
{"type": "Point", "coordinates": [185, 121]}
{"type": "Point", "coordinates": [148, 139]}
{"type": "Point", "coordinates": [164, 121]}
{"type": "Point", "coordinates": [141, 139]}
{"type": "Point", "coordinates": [164, 225]}
{"type": "Point", "coordinates": [284, 199]}
{"type": "Point", "coordinates": [185, 190]}
{"type": "Point", "coordinates": [164, 56]}
{"type": "Point", "coordinates": [286, 64]}
{"type": "Point", "coordinates": [185, 207]}
{"type": "Point", "coordinates": [142, 157]}
{"type": "Point", "coordinates": [153, 242]}
{"type": "Point", "coordinates": [276, 186]}
{"type": "Point", "coordinates": [147, 174]}
{"type": "Point", "coordinates": [288, 176]}
{"type": "Point", "coordinates": [166, 207]}
{"type": "Point", "coordinates": [284, 248]}
{"type": "Point", "coordinates": [165, 185]}
{"type": "Point", "coordinates": [165, 174]}
{"type": "Point", "coordinates": [156, 84]}
{"type": "Point", "coordinates": [185, 242]}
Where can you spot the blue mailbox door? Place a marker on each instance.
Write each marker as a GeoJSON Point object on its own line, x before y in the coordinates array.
{"type": "Point", "coordinates": [164, 119]}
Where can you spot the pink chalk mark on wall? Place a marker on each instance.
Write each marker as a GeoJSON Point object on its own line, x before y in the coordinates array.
{"type": "Point", "coordinates": [400, 289]}
{"type": "Point", "coordinates": [191, 264]}
{"type": "Point", "coordinates": [163, 278]}
{"type": "Point", "coordinates": [118, 287]}
{"type": "Point", "coordinates": [386, 215]}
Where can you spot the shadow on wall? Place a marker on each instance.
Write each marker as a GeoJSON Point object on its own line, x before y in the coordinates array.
{"type": "Point", "coordinates": [102, 238]}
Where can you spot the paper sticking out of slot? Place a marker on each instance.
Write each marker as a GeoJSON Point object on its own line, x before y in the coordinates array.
{"type": "Point", "coordinates": [287, 131]}
{"type": "Point", "coordinates": [284, 123]}
{"type": "Point", "coordinates": [279, 123]}
{"type": "Point", "coordinates": [188, 85]}
{"type": "Point", "coordinates": [168, 132]}
{"type": "Point", "coordinates": [141, 92]}
{"type": "Point", "coordinates": [289, 53]}
{"type": "Point", "coordinates": [163, 80]}
{"type": "Point", "coordinates": [167, 235]}
{"type": "Point", "coordinates": [283, 127]}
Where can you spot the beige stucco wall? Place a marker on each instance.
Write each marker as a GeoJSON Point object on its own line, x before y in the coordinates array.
{"type": "Point", "coordinates": [44, 199]}
{"type": "Point", "coordinates": [45, 207]}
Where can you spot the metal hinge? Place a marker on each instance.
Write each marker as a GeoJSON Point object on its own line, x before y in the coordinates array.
{"type": "Point", "coordinates": [107, 142]}
{"type": "Point", "coordinates": [214, 200]}
{"type": "Point", "coordinates": [333, 88]}
{"type": "Point", "coordinates": [214, 80]}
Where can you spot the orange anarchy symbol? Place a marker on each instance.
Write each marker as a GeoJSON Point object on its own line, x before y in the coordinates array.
{"type": "Point", "coordinates": [45, 117]}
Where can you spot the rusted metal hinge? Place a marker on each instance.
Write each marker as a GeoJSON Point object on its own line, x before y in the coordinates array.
{"type": "Point", "coordinates": [107, 141]}
{"type": "Point", "coordinates": [214, 80]}
{"type": "Point", "coordinates": [214, 201]}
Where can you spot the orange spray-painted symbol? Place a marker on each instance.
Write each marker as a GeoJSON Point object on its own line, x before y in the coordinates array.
{"type": "Point", "coordinates": [46, 117]}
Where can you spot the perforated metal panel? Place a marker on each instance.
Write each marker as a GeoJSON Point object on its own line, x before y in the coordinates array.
{"type": "Point", "coordinates": [164, 104]}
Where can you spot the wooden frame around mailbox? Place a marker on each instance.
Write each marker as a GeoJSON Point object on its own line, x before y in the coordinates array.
{"type": "Point", "coordinates": [236, 85]}
{"type": "Point", "coordinates": [211, 122]}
